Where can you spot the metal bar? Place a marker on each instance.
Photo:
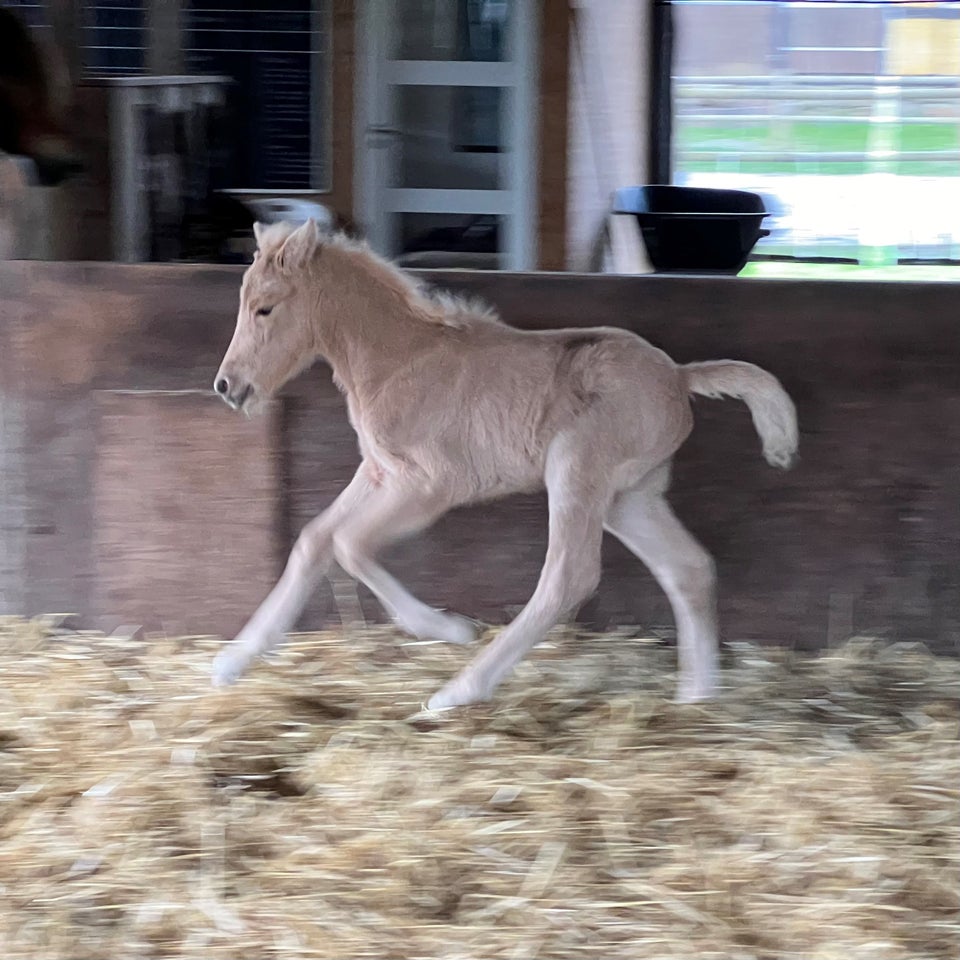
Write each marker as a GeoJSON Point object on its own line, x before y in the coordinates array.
{"type": "Point", "coordinates": [126, 199]}
{"type": "Point", "coordinates": [519, 161]}
{"type": "Point", "coordinates": [833, 49]}
{"type": "Point", "coordinates": [946, 94]}
{"type": "Point", "coordinates": [196, 28]}
{"type": "Point", "coordinates": [427, 200]}
{"type": "Point", "coordinates": [321, 95]}
{"type": "Point", "coordinates": [748, 156]}
{"type": "Point", "coordinates": [164, 31]}
{"type": "Point", "coordinates": [945, 6]}
{"type": "Point", "coordinates": [450, 73]}
{"type": "Point", "coordinates": [299, 53]}
{"type": "Point", "coordinates": [815, 80]}
{"type": "Point", "coordinates": [799, 118]}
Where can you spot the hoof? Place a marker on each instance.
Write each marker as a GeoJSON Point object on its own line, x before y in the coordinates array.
{"type": "Point", "coordinates": [437, 625]}
{"type": "Point", "coordinates": [228, 666]}
{"type": "Point", "coordinates": [458, 630]}
{"type": "Point", "coordinates": [456, 694]}
{"type": "Point", "coordinates": [695, 693]}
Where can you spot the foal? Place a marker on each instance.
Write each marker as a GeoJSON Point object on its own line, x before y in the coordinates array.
{"type": "Point", "coordinates": [451, 407]}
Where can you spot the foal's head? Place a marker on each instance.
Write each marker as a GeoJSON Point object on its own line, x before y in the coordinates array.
{"type": "Point", "coordinates": [274, 339]}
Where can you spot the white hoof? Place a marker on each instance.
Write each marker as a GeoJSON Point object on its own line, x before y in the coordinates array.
{"type": "Point", "coordinates": [445, 627]}
{"type": "Point", "coordinates": [454, 629]}
{"type": "Point", "coordinates": [695, 692]}
{"type": "Point", "coordinates": [228, 666]}
{"type": "Point", "coordinates": [455, 694]}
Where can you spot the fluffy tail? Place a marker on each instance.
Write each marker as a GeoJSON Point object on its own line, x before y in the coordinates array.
{"type": "Point", "coordinates": [773, 412]}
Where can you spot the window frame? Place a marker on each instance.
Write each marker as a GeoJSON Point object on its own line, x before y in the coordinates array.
{"type": "Point", "coordinates": [661, 135]}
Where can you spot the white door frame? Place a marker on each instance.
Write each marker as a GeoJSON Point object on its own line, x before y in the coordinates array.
{"type": "Point", "coordinates": [375, 202]}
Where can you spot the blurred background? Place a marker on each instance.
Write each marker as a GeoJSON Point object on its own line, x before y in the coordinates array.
{"type": "Point", "coordinates": [478, 133]}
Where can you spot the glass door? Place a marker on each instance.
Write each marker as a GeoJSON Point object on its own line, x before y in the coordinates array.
{"type": "Point", "coordinates": [447, 133]}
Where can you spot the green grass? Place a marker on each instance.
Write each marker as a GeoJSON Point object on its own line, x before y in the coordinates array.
{"type": "Point", "coordinates": [809, 136]}
{"type": "Point", "coordinates": [903, 273]}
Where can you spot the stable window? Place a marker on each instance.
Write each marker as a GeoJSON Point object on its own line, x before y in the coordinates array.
{"type": "Point", "coordinates": [843, 114]}
{"type": "Point", "coordinates": [276, 54]}
{"type": "Point", "coordinates": [112, 34]}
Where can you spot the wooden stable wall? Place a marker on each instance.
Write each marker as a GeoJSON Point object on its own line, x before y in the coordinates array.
{"type": "Point", "coordinates": [130, 494]}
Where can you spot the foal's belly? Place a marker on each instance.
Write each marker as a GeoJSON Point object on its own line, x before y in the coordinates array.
{"type": "Point", "coordinates": [499, 472]}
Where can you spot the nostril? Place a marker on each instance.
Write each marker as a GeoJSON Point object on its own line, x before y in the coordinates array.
{"type": "Point", "coordinates": [222, 386]}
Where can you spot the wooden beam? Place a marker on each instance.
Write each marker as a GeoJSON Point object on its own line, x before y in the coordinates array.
{"type": "Point", "coordinates": [553, 132]}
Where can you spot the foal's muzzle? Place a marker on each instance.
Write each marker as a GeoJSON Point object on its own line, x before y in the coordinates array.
{"type": "Point", "coordinates": [234, 392]}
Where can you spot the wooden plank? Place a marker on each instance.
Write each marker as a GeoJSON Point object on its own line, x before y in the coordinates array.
{"type": "Point", "coordinates": [860, 536]}
{"type": "Point", "coordinates": [185, 511]}
{"type": "Point", "coordinates": [553, 132]}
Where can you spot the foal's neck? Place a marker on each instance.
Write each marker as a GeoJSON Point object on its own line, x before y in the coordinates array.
{"type": "Point", "coordinates": [371, 327]}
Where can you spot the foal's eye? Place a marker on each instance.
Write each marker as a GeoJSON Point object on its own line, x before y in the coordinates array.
{"type": "Point", "coordinates": [264, 311]}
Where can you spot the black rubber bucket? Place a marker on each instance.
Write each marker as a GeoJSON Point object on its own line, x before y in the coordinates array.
{"type": "Point", "coordinates": [695, 229]}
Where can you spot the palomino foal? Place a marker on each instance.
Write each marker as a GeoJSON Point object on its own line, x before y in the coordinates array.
{"type": "Point", "coordinates": [451, 407]}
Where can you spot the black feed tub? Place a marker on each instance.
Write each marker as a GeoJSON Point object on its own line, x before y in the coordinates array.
{"type": "Point", "coordinates": [695, 229]}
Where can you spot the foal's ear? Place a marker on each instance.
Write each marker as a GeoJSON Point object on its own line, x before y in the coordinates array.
{"type": "Point", "coordinates": [259, 229]}
{"type": "Point", "coordinates": [298, 249]}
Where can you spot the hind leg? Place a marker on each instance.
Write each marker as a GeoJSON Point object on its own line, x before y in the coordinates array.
{"type": "Point", "coordinates": [642, 520]}
{"type": "Point", "coordinates": [570, 574]}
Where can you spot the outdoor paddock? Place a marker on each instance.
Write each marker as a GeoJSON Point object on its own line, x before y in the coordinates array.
{"type": "Point", "coordinates": [310, 811]}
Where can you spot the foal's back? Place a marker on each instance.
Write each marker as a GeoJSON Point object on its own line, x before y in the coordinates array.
{"type": "Point", "coordinates": [503, 396]}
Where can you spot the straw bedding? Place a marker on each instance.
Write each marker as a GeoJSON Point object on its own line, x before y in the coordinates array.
{"type": "Point", "coordinates": [314, 811]}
